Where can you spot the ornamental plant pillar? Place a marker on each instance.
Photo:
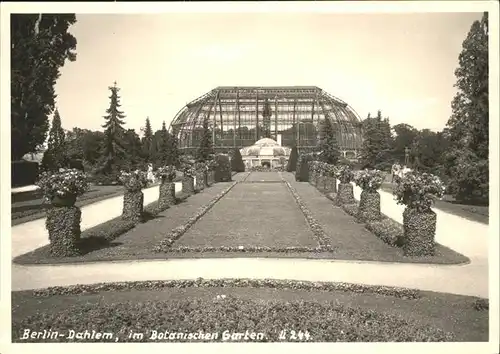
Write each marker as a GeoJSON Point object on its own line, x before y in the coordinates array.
{"type": "Point", "coordinates": [419, 232]}
{"type": "Point", "coordinates": [369, 206]}
{"type": "Point", "coordinates": [63, 224]}
{"type": "Point", "coordinates": [206, 178]}
{"type": "Point", "coordinates": [167, 194]}
{"type": "Point", "coordinates": [133, 205]}
{"type": "Point", "coordinates": [188, 185]}
{"type": "Point", "coordinates": [200, 183]}
{"type": "Point", "coordinates": [345, 194]}
{"type": "Point", "coordinates": [417, 192]}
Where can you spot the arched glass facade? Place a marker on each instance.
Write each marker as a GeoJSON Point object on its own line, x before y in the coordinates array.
{"type": "Point", "coordinates": [239, 116]}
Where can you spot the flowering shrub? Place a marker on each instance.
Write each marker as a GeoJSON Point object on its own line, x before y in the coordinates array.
{"type": "Point", "coordinates": [330, 170]}
{"type": "Point", "coordinates": [417, 191]}
{"type": "Point", "coordinates": [344, 173]}
{"type": "Point", "coordinates": [66, 182]}
{"type": "Point", "coordinates": [167, 172]}
{"type": "Point", "coordinates": [188, 169]}
{"type": "Point", "coordinates": [133, 181]}
{"type": "Point", "coordinates": [369, 180]}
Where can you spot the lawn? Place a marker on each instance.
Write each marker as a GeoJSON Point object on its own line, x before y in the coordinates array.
{"type": "Point", "coordinates": [252, 215]}
{"type": "Point", "coordinates": [321, 312]}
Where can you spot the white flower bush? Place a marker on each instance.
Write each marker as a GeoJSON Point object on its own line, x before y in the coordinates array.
{"type": "Point", "coordinates": [65, 182]}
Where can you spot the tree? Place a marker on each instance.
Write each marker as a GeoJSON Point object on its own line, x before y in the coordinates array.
{"type": "Point", "coordinates": [55, 156]}
{"type": "Point", "coordinates": [237, 164]}
{"type": "Point", "coordinates": [266, 119]}
{"type": "Point", "coordinates": [162, 138]}
{"type": "Point", "coordinates": [84, 144]}
{"type": "Point", "coordinates": [147, 142]}
{"type": "Point", "coordinates": [114, 150]}
{"type": "Point", "coordinates": [132, 142]}
{"type": "Point", "coordinates": [205, 149]}
{"type": "Point", "coordinates": [328, 145]}
{"type": "Point", "coordinates": [40, 45]}
{"type": "Point", "coordinates": [377, 141]}
{"type": "Point", "coordinates": [405, 135]}
{"type": "Point", "coordinates": [468, 132]}
{"type": "Point", "coordinates": [292, 160]}
{"type": "Point", "coordinates": [174, 154]}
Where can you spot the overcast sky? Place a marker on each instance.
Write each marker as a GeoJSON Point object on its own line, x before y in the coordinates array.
{"type": "Point", "coordinates": [402, 64]}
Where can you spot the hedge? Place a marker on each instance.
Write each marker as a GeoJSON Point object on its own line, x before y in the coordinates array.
{"type": "Point", "coordinates": [23, 173]}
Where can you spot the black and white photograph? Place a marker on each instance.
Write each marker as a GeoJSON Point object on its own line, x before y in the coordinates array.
{"type": "Point", "coordinates": [281, 173]}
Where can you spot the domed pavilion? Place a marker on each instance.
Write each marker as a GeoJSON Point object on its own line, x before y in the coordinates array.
{"type": "Point", "coordinates": [265, 152]}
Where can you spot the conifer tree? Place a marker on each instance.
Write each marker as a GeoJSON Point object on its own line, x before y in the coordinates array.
{"type": "Point", "coordinates": [292, 160]}
{"type": "Point", "coordinates": [237, 164]}
{"type": "Point", "coordinates": [114, 150]}
{"type": "Point", "coordinates": [55, 156]}
{"type": "Point", "coordinates": [377, 142]}
{"type": "Point", "coordinates": [266, 119]}
{"type": "Point", "coordinates": [174, 154]}
{"type": "Point", "coordinates": [162, 155]}
{"type": "Point", "coordinates": [147, 142]}
{"type": "Point", "coordinates": [205, 149]}
{"type": "Point", "coordinates": [328, 146]}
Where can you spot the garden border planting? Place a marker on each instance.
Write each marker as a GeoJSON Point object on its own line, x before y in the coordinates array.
{"type": "Point", "coordinates": [166, 244]}
{"type": "Point", "coordinates": [402, 293]}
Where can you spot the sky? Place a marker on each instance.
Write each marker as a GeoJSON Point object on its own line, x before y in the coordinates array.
{"type": "Point", "coordinates": [400, 63]}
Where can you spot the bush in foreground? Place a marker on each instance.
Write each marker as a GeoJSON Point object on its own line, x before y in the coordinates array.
{"type": "Point", "coordinates": [237, 164]}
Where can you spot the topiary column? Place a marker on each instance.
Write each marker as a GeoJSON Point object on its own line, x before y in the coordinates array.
{"type": "Point", "coordinates": [167, 194]}
{"type": "Point", "coordinates": [369, 206]}
{"type": "Point", "coordinates": [419, 232]}
{"type": "Point", "coordinates": [222, 171]}
{"type": "Point", "coordinates": [345, 193]}
{"type": "Point", "coordinates": [188, 185]}
{"type": "Point", "coordinates": [63, 219]}
{"type": "Point", "coordinates": [417, 191]}
{"type": "Point", "coordinates": [63, 225]}
{"type": "Point", "coordinates": [133, 205]}
{"type": "Point", "coordinates": [200, 183]}
{"type": "Point", "coordinates": [133, 198]}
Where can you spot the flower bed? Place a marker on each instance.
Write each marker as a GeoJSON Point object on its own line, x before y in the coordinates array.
{"type": "Point", "coordinates": [318, 232]}
{"type": "Point", "coordinates": [63, 183]}
{"type": "Point", "coordinates": [402, 293]}
{"type": "Point", "coordinates": [220, 318]}
{"type": "Point", "coordinates": [175, 234]}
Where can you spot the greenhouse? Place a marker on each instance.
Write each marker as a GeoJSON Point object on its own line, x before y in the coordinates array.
{"type": "Point", "coordinates": [240, 116]}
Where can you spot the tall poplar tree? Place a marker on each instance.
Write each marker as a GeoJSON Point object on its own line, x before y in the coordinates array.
{"type": "Point", "coordinates": [147, 142]}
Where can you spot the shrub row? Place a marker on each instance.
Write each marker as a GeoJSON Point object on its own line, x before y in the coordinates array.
{"type": "Point", "coordinates": [79, 289]}
{"type": "Point", "coordinates": [23, 173]}
{"type": "Point", "coordinates": [177, 232]}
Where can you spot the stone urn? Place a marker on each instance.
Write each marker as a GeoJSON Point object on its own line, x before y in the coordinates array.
{"type": "Point", "coordinates": [63, 225]}
{"type": "Point", "coordinates": [419, 232]}
{"type": "Point", "coordinates": [369, 206]}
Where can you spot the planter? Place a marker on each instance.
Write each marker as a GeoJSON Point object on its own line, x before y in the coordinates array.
{"type": "Point", "coordinates": [419, 232]}
{"type": "Point", "coordinates": [369, 206]}
{"type": "Point", "coordinates": [133, 204]}
{"type": "Point", "coordinates": [320, 182]}
{"type": "Point", "coordinates": [63, 201]}
{"type": "Point", "coordinates": [188, 185]}
{"type": "Point", "coordinates": [63, 225]}
{"type": "Point", "coordinates": [331, 184]}
{"type": "Point", "coordinates": [167, 195]}
{"type": "Point", "coordinates": [345, 194]}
